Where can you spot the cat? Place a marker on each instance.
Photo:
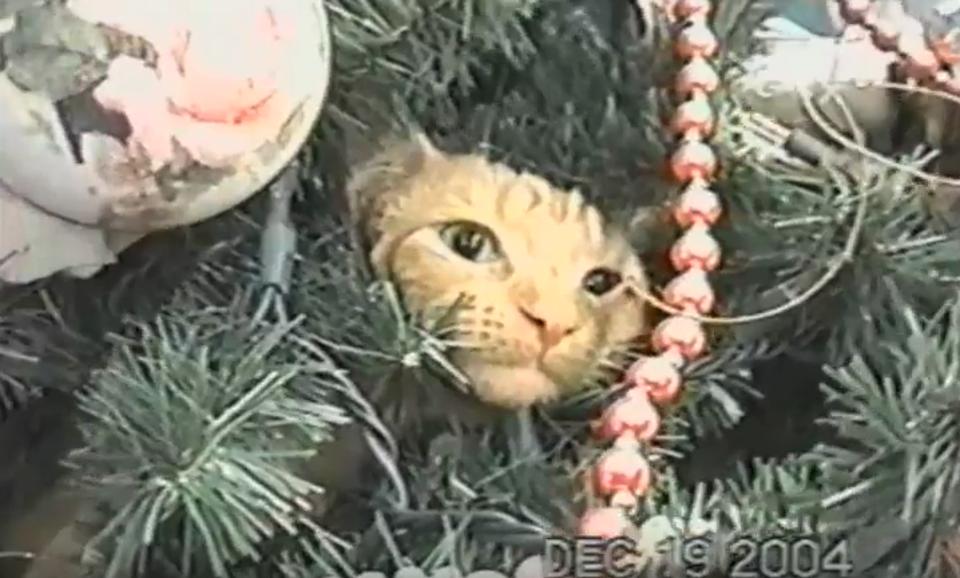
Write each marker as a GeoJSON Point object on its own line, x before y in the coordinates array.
{"type": "Point", "coordinates": [530, 276]}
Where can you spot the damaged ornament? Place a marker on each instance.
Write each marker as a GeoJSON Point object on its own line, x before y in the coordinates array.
{"type": "Point", "coordinates": [120, 119]}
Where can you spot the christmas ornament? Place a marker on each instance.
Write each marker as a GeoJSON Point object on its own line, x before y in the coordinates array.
{"type": "Point", "coordinates": [623, 475]}
{"type": "Point", "coordinates": [924, 55]}
{"type": "Point", "coordinates": [215, 101]}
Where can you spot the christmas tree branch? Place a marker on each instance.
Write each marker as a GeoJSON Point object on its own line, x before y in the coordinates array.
{"type": "Point", "coordinates": [895, 411]}
{"type": "Point", "coordinates": [191, 431]}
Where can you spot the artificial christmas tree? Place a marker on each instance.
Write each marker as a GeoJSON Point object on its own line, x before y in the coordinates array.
{"type": "Point", "coordinates": [199, 415]}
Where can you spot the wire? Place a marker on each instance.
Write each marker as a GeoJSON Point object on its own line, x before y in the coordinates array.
{"type": "Point", "coordinates": [860, 149]}
{"type": "Point", "coordinates": [804, 145]}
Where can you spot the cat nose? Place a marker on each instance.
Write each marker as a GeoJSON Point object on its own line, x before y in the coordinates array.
{"type": "Point", "coordinates": [550, 333]}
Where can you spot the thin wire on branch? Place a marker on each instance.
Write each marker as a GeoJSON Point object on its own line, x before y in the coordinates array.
{"type": "Point", "coordinates": [841, 180]}
{"type": "Point", "coordinates": [855, 148]}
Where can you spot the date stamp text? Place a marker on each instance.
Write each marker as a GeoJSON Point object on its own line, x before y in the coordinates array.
{"type": "Point", "coordinates": [743, 556]}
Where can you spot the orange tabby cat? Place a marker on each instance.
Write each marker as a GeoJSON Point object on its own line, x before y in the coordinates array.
{"type": "Point", "coordinates": [531, 275]}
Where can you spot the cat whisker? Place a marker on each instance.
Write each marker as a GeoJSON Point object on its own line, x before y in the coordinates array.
{"type": "Point", "coordinates": [612, 362]}
{"type": "Point", "coordinates": [596, 378]}
{"type": "Point", "coordinates": [612, 353]}
{"type": "Point", "coordinates": [468, 345]}
{"type": "Point", "coordinates": [628, 350]}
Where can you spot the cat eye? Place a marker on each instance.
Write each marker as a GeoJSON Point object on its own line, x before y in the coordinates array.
{"type": "Point", "coordinates": [471, 241]}
{"type": "Point", "coordinates": [601, 281]}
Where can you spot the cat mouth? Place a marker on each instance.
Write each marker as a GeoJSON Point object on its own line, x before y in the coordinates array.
{"type": "Point", "coordinates": [551, 371]}
{"type": "Point", "coordinates": [541, 358]}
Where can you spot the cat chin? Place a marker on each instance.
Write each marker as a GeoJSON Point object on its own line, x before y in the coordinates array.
{"type": "Point", "coordinates": [511, 387]}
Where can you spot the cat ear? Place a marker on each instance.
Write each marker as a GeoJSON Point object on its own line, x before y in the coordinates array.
{"type": "Point", "coordinates": [427, 149]}
{"type": "Point", "coordinates": [395, 161]}
{"type": "Point", "coordinates": [382, 181]}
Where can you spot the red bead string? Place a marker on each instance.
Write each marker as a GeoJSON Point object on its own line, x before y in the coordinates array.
{"type": "Point", "coordinates": [623, 475]}
{"type": "Point", "coordinates": [923, 57]}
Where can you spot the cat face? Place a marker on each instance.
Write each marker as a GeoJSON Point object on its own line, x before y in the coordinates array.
{"type": "Point", "coordinates": [528, 275]}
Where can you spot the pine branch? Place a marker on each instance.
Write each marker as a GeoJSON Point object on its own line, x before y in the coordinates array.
{"type": "Point", "coordinates": [193, 430]}
{"type": "Point", "coordinates": [394, 54]}
{"type": "Point", "coordinates": [363, 323]}
{"type": "Point", "coordinates": [696, 529]}
{"type": "Point", "coordinates": [894, 460]}
{"type": "Point", "coordinates": [478, 502]}
{"type": "Point", "coordinates": [17, 356]}
{"type": "Point", "coordinates": [717, 385]}
{"type": "Point", "coordinates": [799, 225]}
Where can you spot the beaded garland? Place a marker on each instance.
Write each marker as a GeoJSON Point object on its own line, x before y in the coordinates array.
{"type": "Point", "coordinates": [925, 56]}
{"type": "Point", "coordinates": [623, 475]}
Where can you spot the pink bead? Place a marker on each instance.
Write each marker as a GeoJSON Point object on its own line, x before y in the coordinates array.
{"type": "Point", "coordinates": [673, 357]}
{"type": "Point", "coordinates": [622, 470]}
{"type": "Point", "coordinates": [854, 11]}
{"type": "Point", "coordinates": [693, 160]}
{"type": "Point", "coordinates": [948, 82]}
{"type": "Point", "coordinates": [604, 523]}
{"type": "Point", "coordinates": [658, 376]}
{"type": "Point", "coordinates": [921, 64]}
{"type": "Point", "coordinates": [697, 40]}
{"type": "Point", "coordinates": [697, 204]}
{"type": "Point", "coordinates": [692, 8]}
{"type": "Point", "coordinates": [693, 116]}
{"type": "Point", "coordinates": [633, 414]}
{"type": "Point", "coordinates": [623, 500]}
{"type": "Point", "coordinates": [696, 76]}
{"type": "Point", "coordinates": [691, 291]}
{"type": "Point", "coordinates": [885, 32]}
{"type": "Point", "coordinates": [683, 334]}
{"type": "Point", "coordinates": [947, 48]}
{"type": "Point", "coordinates": [696, 249]}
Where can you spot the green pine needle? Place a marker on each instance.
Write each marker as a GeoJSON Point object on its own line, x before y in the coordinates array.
{"type": "Point", "coordinates": [897, 427]}
{"type": "Point", "coordinates": [195, 426]}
